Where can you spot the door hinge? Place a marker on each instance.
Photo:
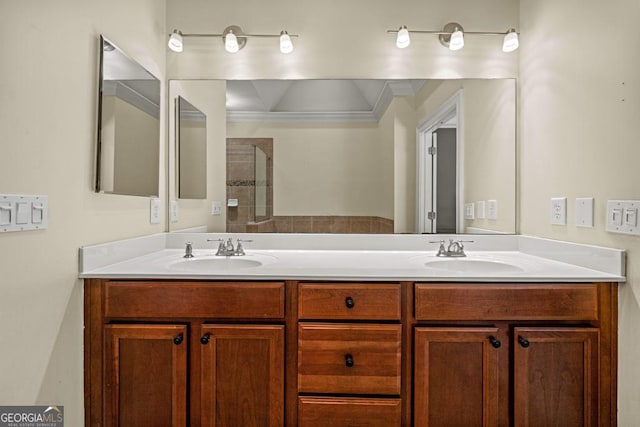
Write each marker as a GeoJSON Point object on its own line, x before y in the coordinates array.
{"type": "Point", "coordinates": [431, 215]}
{"type": "Point", "coordinates": [432, 151]}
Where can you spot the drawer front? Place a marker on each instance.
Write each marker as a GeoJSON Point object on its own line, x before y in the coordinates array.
{"type": "Point", "coordinates": [219, 300]}
{"type": "Point", "coordinates": [348, 412]}
{"type": "Point", "coordinates": [329, 301]}
{"type": "Point", "coordinates": [442, 301]}
{"type": "Point", "coordinates": [350, 359]}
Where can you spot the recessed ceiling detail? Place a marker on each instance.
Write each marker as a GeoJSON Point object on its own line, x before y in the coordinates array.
{"type": "Point", "coordinates": [314, 100]}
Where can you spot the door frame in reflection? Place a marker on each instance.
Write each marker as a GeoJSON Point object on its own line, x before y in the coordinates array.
{"type": "Point", "coordinates": [447, 115]}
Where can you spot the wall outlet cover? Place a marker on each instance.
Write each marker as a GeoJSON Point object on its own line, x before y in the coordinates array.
{"type": "Point", "coordinates": [480, 211]}
{"type": "Point", "coordinates": [558, 211]}
{"type": "Point", "coordinates": [173, 211]}
{"type": "Point", "coordinates": [154, 211]}
{"type": "Point", "coordinates": [493, 210]}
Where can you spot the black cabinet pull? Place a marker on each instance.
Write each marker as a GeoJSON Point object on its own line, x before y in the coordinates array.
{"type": "Point", "coordinates": [523, 341]}
{"type": "Point", "coordinates": [177, 340]}
{"type": "Point", "coordinates": [205, 339]}
{"type": "Point", "coordinates": [349, 302]}
{"type": "Point", "coordinates": [348, 361]}
{"type": "Point", "coordinates": [494, 342]}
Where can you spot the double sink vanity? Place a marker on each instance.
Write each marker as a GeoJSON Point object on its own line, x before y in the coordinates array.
{"type": "Point", "coordinates": [350, 330]}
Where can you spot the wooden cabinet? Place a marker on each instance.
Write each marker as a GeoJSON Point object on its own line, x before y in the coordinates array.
{"type": "Point", "coordinates": [276, 353]}
{"type": "Point", "coordinates": [145, 375]}
{"type": "Point", "coordinates": [157, 354]}
{"type": "Point", "coordinates": [242, 373]}
{"type": "Point", "coordinates": [550, 361]}
{"type": "Point", "coordinates": [348, 359]}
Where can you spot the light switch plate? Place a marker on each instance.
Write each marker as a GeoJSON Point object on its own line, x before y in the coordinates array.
{"type": "Point", "coordinates": [584, 212]}
{"type": "Point", "coordinates": [559, 211]}
{"type": "Point", "coordinates": [480, 211]}
{"type": "Point", "coordinates": [622, 216]}
{"type": "Point", "coordinates": [468, 211]}
{"type": "Point", "coordinates": [23, 212]}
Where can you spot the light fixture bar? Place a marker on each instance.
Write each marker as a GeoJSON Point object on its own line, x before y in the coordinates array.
{"type": "Point", "coordinates": [455, 31]}
{"type": "Point", "coordinates": [238, 35]}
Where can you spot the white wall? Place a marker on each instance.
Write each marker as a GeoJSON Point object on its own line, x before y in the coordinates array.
{"type": "Point", "coordinates": [48, 109]}
{"type": "Point", "coordinates": [579, 130]}
{"type": "Point", "coordinates": [209, 97]}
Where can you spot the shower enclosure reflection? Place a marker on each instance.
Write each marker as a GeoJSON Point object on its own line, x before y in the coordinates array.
{"type": "Point", "coordinates": [249, 181]}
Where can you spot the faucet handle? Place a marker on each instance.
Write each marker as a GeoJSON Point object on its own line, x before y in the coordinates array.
{"type": "Point", "coordinates": [441, 250]}
{"type": "Point", "coordinates": [239, 249]}
{"type": "Point", "coordinates": [188, 250]}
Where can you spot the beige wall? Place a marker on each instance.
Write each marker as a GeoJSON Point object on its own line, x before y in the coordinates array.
{"type": "Point", "coordinates": [209, 97]}
{"type": "Point", "coordinates": [488, 121]}
{"type": "Point", "coordinates": [48, 110]}
{"type": "Point", "coordinates": [324, 169]}
{"type": "Point", "coordinates": [579, 127]}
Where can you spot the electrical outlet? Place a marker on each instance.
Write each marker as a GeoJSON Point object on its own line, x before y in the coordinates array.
{"type": "Point", "coordinates": [173, 212]}
{"type": "Point", "coordinates": [559, 211]}
{"type": "Point", "coordinates": [469, 211]}
{"type": "Point", "coordinates": [480, 211]}
{"type": "Point", "coordinates": [154, 211]}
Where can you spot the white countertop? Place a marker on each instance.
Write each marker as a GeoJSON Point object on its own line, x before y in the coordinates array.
{"type": "Point", "coordinates": [353, 257]}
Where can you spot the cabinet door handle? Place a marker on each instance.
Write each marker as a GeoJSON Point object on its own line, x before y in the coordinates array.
{"type": "Point", "coordinates": [177, 340]}
{"type": "Point", "coordinates": [205, 339]}
{"type": "Point", "coordinates": [523, 341]}
{"type": "Point", "coordinates": [349, 302]}
{"type": "Point", "coordinates": [495, 342]}
{"type": "Point", "coordinates": [348, 361]}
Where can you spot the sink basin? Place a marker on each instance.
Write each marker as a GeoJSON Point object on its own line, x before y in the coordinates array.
{"type": "Point", "coordinates": [465, 265]}
{"type": "Point", "coordinates": [213, 264]}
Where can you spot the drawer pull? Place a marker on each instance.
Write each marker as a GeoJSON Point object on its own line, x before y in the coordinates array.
{"type": "Point", "coordinates": [494, 342]}
{"type": "Point", "coordinates": [205, 339]}
{"type": "Point", "coordinates": [348, 361]}
{"type": "Point", "coordinates": [523, 341]}
{"type": "Point", "coordinates": [349, 302]}
{"type": "Point", "coordinates": [177, 340]}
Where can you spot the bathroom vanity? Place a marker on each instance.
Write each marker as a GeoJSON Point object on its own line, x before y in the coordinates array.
{"type": "Point", "coordinates": [343, 337]}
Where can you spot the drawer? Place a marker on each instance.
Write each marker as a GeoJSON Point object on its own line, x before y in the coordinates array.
{"type": "Point", "coordinates": [207, 300]}
{"type": "Point", "coordinates": [348, 412]}
{"type": "Point", "coordinates": [349, 359]}
{"type": "Point", "coordinates": [339, 301]}
{"type": "Point", "coordinates": [446, 301]}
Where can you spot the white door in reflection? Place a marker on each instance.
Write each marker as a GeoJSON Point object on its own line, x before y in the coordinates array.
{"type": "Point", "coordinates": [439, 177]}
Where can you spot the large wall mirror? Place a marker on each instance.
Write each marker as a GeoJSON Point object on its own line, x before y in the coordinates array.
{"type": "Point", "coordinates": [128, 142]}
{"type": "Point", "coordinates": [381, 156]}
{"type": "Point", "coordinates": [191, 150]}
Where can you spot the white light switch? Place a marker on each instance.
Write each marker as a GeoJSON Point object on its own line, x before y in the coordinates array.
{"type": "Point", "coordinates": [622, 216]}
{"type": "Point", "coordinates": [5, 213]}
{"type": "Point", "coordinates": [584, 212]}
{"type": "Point", "coordinates": [22, 213]}
{"type": "Point", "coordinates": [468, 211]}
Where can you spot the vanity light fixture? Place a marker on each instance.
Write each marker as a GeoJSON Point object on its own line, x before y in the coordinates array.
{"type": "Point", "coordinates": [234, 39]}
{"type": "Point", "coordinates": [175, 41]}
{"type": "Point", "coordinates": [452, 36]}
{"type": "Point", "coordinates": [511, 41]}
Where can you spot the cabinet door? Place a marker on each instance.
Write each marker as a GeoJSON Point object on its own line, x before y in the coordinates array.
{"type": "Point", "coordinates": [456, 376]}
{"type": "Point", "coordinates": [242, 375]}
{"type": "Point", "coordinates": [146, 375]}
{"type": "Point", "coordinates": [556, 376]}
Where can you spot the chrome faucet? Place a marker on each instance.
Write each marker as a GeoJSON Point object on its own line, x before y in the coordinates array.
{"type": "Point", "coordinates": [227, 249]}
{"type": "Point", "coordinates": [454, 249]}
{"type": "Point", "coordinates": [188, 250]}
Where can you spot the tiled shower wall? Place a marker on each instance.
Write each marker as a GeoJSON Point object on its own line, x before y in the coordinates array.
{"type": "Point", "coordinates": [241, 182]}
